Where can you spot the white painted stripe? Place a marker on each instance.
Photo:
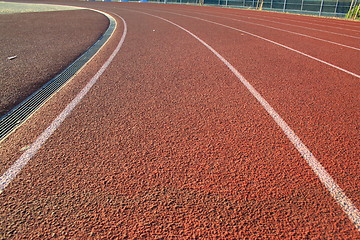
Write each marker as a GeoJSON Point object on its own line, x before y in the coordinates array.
{"type": "Point", "coordinates": [293, 25]}
{"type": "Point", "coordinates": [334, 189]}
{"type": "Point", "coordinates": [314, 29]}
{"type": "Point", "coordinates": [271, 41]}
{"type": "Point", "coordinates": [12, 172]}
{"type": "Point", "coordinates": [324, 25]}
{"type": "Point", "coordinates": [283, 30]}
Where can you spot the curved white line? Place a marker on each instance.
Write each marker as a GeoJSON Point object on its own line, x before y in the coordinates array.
{"type": "Point", "coordinates": [12, 172]}
{"type": "Point", "coordinates": [322, 25]}
{"type": "Point", "coordinates": [279, 29]}
{"type": "Point", "coordinates": [336, 192]}
{"type": "Point", "coordinates": [293, 25]}
{"type": "Point", "coordinates": [271, 41]}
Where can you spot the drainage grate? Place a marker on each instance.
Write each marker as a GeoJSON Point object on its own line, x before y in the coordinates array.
{"type": "Point", "coordinates": [21, 112]}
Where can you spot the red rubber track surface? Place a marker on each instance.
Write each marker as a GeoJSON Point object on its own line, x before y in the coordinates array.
{"type": "Point", "coordinates": [169, 143]}
{"type": "Point", "coordinates": [35, 39]}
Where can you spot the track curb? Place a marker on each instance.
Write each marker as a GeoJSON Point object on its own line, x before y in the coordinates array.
{"type": "Point", "coordinates": [23, 111]}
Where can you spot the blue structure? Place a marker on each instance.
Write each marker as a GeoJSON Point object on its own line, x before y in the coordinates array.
{"type": "Point", "coordinates": [331, 8]}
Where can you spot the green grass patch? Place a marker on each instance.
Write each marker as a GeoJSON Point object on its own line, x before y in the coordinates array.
{"type": "Point", "coordinates": [354, 13]}
{"type": "Point", "coordinates": [10, 7]}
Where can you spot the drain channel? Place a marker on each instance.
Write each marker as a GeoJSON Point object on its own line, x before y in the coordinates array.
{"type": "Point", "coordinates": [19, 114]}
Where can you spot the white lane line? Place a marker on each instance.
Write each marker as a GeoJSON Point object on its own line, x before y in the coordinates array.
{"type": "Point", "coordinates": [293, 25]}
{"type": "Point", "coordinates": [268, 40]}
{"type": "Point", "coordinates": [336, 192]}
{"type": "Point", "coordinates": [11, 173]}
{"type": "Point", "coordinates": [279, 29]}
{"type": "Point", "coordinates": [323, 25]}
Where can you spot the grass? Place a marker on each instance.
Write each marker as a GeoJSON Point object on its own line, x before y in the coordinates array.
{"type": "Point", "coordinates": [354, 13]}
{"type": "Point", "coordinates": [9, 8]}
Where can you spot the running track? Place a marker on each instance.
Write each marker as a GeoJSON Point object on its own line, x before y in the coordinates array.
{"type": "Point", "coordinates": [196, 130]}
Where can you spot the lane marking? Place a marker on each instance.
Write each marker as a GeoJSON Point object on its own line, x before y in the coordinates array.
{"type": "Point", "coordinates": [11, 173]}
{"type": "Point", "coordinates": [279, 29]}
{"type": "Point", "coordinates": [267, 40]}
{"type": "Point", "coordinates": [323, 25]}
{"type": "Point", "coordinates": [292, 25]}
{"type": "Point", "coordinates": [336, 192]}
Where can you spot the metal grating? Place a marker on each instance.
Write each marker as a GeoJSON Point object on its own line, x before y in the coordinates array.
{"type": "Point", "coordinates": [19, 114]}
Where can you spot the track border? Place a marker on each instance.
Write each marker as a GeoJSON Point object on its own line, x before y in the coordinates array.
{"type": "Point", "coordinates": [24, 110]}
